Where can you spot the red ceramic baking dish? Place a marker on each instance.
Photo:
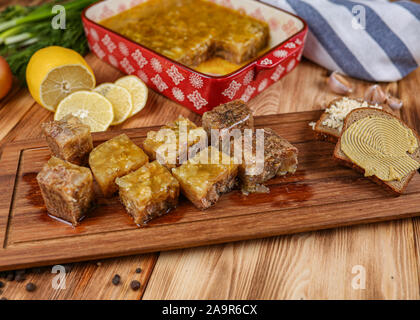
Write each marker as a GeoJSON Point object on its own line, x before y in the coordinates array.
{"type": "Point", "coordinates": [195, 90]}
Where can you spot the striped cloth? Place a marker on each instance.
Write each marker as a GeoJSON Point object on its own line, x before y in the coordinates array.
{"type": "Point", "coordinates": [373, 40]}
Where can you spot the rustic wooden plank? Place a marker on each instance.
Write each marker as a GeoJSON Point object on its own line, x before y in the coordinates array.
{"type": "Point", "coordinates": [315, 265]}
{"type": "Point", "coordinates": [286, 97]}
{"type": "Point", "coordinates": [411, 114]}
{"type": "Point", "coordinates": [197, 233]}
{"type": "Point", "coordinates": [265, 104]}
{"type": "Point", "coordinates": [90, 280]}
{"type": "Point", "coordinates": [158, 111]}
{"type": "Point", "coordinates": [306, 266]}
{"type": "Point", "coordinates": [86, 280]}
{"type": "Point", "coordinates": [9, 167]}
{"type": "Point", "coordinates": [14, 109]}
{"type": "Point", "coordinates": [305, 201]}
{"type": "Point", "coordinates": [27, 127]}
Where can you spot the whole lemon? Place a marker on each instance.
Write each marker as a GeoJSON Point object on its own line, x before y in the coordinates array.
{"type": "Point", "coordinates": [55, 72]}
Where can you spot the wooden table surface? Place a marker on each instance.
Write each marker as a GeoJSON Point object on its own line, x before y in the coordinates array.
{"type": "Point", "coordinates": [315, 265]}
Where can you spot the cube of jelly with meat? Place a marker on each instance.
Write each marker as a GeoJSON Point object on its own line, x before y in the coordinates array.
{"type": "Point", "coordinates": [69, 139]}
{"type": "Point", "coordinates": [242, 40]}
{"type": "Point", "coordinates": [278, 157]}
{"type": "Point", "coordinates": [174, 141]}
{"type": "Point", "coordinates": [67, 190]}
{"type": "Point", "coordinates": [228, 116]}
{"type": "Point", "coordinates": [148, 192]}
{"type": "Point", "coordinates": [113, 159]}
{"type": "Point", "coordinates": [206, 177]}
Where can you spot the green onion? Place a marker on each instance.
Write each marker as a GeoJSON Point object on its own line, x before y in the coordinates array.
{"type": "Point", "coordinates": [18, 38]}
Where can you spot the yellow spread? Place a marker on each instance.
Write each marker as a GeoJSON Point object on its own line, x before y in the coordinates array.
{"type": "Point", "coordinates": [381, 146]}
{"type": "Point", "coordinates": [194, 32]}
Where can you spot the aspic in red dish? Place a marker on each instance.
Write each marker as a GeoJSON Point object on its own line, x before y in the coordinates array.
{"type": "Point", "coordinates": [201, 84]}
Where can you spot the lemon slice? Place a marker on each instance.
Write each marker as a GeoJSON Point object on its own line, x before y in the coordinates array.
{"type": "Point", "coordinates": [90, 107]}
{"type": "Point", "coordinates": [55, 72]}
{"type": "Point", "coordinates": [120, 99]}
{"type": "Point", "coordinates": [138, 91]}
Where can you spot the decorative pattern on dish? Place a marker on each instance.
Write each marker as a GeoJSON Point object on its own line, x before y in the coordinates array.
{"type": "Point", "coordinates": [175, 75]}
{"type": "Point", "coordinates": [138, 57]}
{"type": "Point", "coordinates": [198, 92]}
{"type": "Point", "coordinates": [232, 89]}
{"type": "Point", "coordinates": [197, 100]}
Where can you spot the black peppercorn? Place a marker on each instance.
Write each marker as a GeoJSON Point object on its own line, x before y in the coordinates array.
{"type": "Point", "coordinates": [20, 277]}
{"type": "Point", "coordinates": [116, 280]}
{"type": "Point", "coordinates": [10, 276]}
{"type": "Point", "coordinates": [30, 287]}
{"type": "Point", "coordinates": [135, 285]}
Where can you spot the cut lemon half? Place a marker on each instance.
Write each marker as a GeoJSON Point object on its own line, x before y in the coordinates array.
{"type": "Point", "coordinates": [120, 99]}
{"type": "Point", "coordinates": [138, 91]}
{"type": "Point", "coordinates": [90, 107]}
{"type": "Point", "coordinates": [55, 72]}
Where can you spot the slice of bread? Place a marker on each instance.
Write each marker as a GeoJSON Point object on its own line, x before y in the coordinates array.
{"type": "Point", "coordinates": [325, 133]}
{"type": "Point", "coordinates": [395, 186]}
{"type": "Point", "coordinates": [328, 133]}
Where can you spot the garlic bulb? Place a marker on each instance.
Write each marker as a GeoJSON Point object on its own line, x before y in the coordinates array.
{"type": "Point", "coordinates": [394, 102]}
{"type": "Point", "coordinates": [338, 84]}
{"type": "Point", "coordinates": [375, 95]}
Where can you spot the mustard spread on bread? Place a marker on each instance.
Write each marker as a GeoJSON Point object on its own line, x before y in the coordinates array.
{"type": "Point", "coordinates": [381, 146]}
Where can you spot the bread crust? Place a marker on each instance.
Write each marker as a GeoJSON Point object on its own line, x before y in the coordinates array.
{"type": "Point", "coordinates": [324, 133]}
{"type": "Point", "coordinates": [344, 160]}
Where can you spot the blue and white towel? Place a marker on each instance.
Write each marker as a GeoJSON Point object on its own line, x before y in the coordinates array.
{"type": "Point", "coordinates": [373, 40]}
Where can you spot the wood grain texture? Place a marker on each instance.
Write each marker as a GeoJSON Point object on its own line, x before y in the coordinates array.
{"type": "Point", "coordinates": [319, 195]}
{"type": "Point", "coordinates": [314, 265]}
{"type": "Point", "coordinates": [408, 89]}
{"type": "Point", "coordinates": [27, 127]}
{"type": "Point", "coordinates": [283, 269]}
{"type": "Point", "coordinates": [22, 125]}
{"type": "Point", "coordinates": [334, 246]}
{"type": "Point", "coordinates": [88, 281]}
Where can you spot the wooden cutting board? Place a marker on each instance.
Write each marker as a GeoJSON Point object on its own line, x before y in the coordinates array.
{"type": "Point", "coordinates": [320, 195]}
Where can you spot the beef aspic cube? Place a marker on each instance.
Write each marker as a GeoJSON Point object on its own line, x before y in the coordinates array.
{"type": "Point", "coordinates": [242, 40]}
{"type": "Point", "coordinates": [228, 116]}
{"type": "Point", "coordinates": [205, 177]}
{"type": "Point", "coordinates": [115, 158]}
{"type": "Point", "coordinates": [67, 190]}
{"type": "Point", "coordinates": [173, 143]}
{"type": "Point", "coordinates": [69, 139]}
{"type": "Point", "coordinates": [278, 157]}
{"type": "Point", "coordinates": [148, 192]}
